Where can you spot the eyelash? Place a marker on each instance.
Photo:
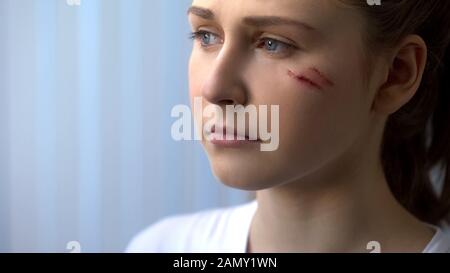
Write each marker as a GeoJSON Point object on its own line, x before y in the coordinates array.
{"type": "Point", "coordinates": [199, 35]}
{"type": "Point", "coordinates": [287, 48]}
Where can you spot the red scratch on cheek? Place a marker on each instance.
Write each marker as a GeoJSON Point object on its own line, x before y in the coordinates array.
{"type": "Point", "coordinates": [324, 78]}
{"type": "Point", "coordinates": [313, 77]}
{"type": "Point", "coordinates": [304, 79]}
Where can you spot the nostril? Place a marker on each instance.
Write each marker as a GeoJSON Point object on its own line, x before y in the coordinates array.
{"type": "Point", "coordinates": [227, 102]}
{"type": "Point", "coordinates": [218, 92]}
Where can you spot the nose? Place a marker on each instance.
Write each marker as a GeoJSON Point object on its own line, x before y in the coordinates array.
{"type": "Point", "coordinates": [225, 84]}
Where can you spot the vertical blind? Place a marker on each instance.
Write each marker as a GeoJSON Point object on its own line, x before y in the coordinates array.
{"type": "Point", "coordinates": [86, 152]}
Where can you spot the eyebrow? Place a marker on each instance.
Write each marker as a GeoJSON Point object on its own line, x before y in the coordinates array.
{"type": "Point", "coordinates": [201, 12]}
{"type": "Point", "coordinates": [264, 21]}
{"type": "Point", "coordinates": [256, 21]}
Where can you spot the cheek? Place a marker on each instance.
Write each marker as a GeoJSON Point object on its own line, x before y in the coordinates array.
{"type": "Point", "coordinates": [307, 113]}
{"type": "Point", "coordinates": [315, 126]}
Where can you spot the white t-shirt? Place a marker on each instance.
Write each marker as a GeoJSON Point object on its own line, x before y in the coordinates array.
{"type": "Point", "coordinates": [223, 230]}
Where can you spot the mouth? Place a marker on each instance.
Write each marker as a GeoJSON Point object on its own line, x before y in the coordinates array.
{"type": "Point", "coordinates": [224, 136]}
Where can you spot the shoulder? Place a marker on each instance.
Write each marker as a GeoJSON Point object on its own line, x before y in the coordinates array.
{"type": "Point", "coordinates": [440, 243]}
{"type": "Point", "coordinates": [203, 231]}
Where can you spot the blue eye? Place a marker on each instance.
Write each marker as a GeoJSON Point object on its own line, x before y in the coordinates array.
{"type": "Point", "coordinates": [206, 38]}
{"type": "Point", "coordinates": [273, 46]}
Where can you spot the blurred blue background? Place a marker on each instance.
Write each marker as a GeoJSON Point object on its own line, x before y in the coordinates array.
{"type": "Point", "coordinates": [85, 147]}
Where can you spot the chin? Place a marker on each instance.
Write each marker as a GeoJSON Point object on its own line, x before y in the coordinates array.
{"type": "Point", "coordinates": [247, 176]}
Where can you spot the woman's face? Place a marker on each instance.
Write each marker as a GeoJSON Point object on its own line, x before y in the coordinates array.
{"type": "Point", "coordinates": [305, 56]}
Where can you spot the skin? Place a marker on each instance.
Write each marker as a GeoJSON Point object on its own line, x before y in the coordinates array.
{"type": "Point", "coordinates": [323, 189]}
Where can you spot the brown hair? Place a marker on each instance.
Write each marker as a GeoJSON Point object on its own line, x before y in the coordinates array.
{"type": "Point", "coordinates": [416, 141]}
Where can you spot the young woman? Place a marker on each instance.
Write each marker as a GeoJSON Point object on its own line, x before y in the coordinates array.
{"type": "Point", "coordinates": [363, 126]}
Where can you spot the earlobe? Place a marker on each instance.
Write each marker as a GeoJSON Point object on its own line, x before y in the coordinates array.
{"type": "Point", "coordinates": [404, 75]}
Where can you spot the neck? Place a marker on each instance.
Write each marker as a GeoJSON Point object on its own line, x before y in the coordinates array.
{"type": "Point", "coordinates": [340, 210]}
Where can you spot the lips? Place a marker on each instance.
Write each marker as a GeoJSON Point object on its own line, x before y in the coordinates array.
{"type": "Point", "coordinates": [225, 133]}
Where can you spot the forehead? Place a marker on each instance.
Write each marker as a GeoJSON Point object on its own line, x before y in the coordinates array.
{"type": "Point", "coordinates": [268, 6]}
{"type": "Point", "coordinates": [325, 14]}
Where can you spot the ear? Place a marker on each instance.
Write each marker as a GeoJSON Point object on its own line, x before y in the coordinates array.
{"type": "Point", "coordinates": [406, 66]}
